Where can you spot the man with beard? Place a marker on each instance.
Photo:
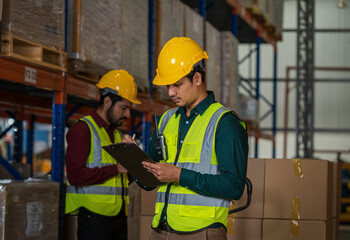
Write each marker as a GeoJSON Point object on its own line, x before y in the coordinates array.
{"type": "Point", "coordinates": [97, 185]}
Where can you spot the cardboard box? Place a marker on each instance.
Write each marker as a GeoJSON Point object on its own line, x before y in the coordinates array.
{"type": "Point", "coordinates": [298, 189]}
{"type": "Point", "coordinates": [145, 227]}
{"type": "Point", "coordinates": [336, 188]}
{"type": "Point", "coordinates": [134, 211]}
{"type": "Point", "coordinates": [29, 210]}
{"type": "Point", "coordinates": [244, 229]}
{"type": "Point", "coordinates": [335, 228]}
{"type": "Point", "coordinates": [148, 202]}
{"type": "Point", "coordinates": [277, 229]}
{"type": "Point", "coordinates": [256, 174]}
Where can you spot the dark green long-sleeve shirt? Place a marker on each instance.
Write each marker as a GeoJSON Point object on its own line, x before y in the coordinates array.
{"type": "Point", "coordinates": [231, 145]}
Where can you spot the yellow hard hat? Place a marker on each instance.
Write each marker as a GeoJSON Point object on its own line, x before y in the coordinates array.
{"type": "Point", "coordinates": [176, 60]}
{"type": "Point", "coordinates": [120, 82]}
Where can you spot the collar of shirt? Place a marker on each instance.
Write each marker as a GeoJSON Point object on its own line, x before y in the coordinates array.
{"type": "Point", "coordinates": [200, 108]}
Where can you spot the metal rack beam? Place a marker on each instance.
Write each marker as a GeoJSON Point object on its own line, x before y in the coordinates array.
{"type": "Point", "coordinates": [305, 79]}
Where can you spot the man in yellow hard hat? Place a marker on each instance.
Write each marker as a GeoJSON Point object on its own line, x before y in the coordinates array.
{"type": "Point", "coordinates": [203, 160]}
{"type": "Point", "coordinates": [97, 187]}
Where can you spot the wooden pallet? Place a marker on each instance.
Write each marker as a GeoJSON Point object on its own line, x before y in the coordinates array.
{"type": "Point", "coordinates": [33, 53]}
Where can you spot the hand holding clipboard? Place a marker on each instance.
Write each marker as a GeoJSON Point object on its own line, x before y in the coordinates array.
{"type": "Point", "coordinates": [130, 156]}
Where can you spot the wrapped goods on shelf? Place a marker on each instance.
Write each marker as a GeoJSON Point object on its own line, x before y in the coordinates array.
{"type": "Point", "coordinates": [170, 17]}
{"type": "Point", "coordinates": [170, 22]}
{"type": "Point", "coordinates": [34, 31]}
{"type": "Point", "coordinates": [230, 77]}
{"type": "Point", "coordinates": [275, 15]}
{"type": "Point", "coordinates": [193, 25]}
{"type": "Point", "coordinates": [257, 7]}
{"type": "Point", "coordinates": [94, 36]}
{"type": "Point", "coordinates": [134, 51]}
{"type": "Point", "coordinates": [38, 21]}
{"type": "Point", "coordinates": [29, 210]}
{"type": "Point", "coordinates": [213, 64]}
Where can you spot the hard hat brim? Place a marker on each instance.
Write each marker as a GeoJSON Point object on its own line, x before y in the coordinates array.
{"type": "Point", "coordinates": [165, 81]}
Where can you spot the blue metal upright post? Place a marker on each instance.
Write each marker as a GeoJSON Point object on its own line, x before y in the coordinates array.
{"type": "Point", "coordinates": [18, 141]}
{"type": "Point", "coordinates": [234, 23]}
{"type": "Point", "coordinates": [202, 12]}
{"type": "Point", "coordinates": [57, 152]}
{"type": "Point", "coordinates": [59, 100]}
{"type": "Point", "coordinates": [274, 108]}
{"type": "Point", "coordinates": [257, 96]}
{"type": "Point", "coordinates": [146, 129]}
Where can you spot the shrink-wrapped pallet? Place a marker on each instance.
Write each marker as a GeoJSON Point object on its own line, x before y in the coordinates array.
{"type": "Point", "coordinates": [170, 23]}
{"type": "Point", "coordinates": [94, 36]}
{"type": "Point", "coordinates": [256, 7]}
{"type": "Point", "coordinates": [40, 21]}
{"type": "Point", "coordinates": [213, 64]}
{"type": "Point", "coordinates": [29, 210]}
{"type": "Point", "coordinates": [194, 25]}
{"type": "Point", "coordinates": [34, 32]}
{"type": "Point", "coordinates": [230, 77]}
{"type": "Point", "coordinates": [134, 51]}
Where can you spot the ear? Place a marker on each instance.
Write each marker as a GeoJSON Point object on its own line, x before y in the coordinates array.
{"type": "Point", "coordinates": [197, 79]}
{"type": "Point", "coordinates": [107, 101]}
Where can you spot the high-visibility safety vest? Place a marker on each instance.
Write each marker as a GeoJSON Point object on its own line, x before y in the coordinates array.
{"type": "Point", "coordinates": [105, 198]}
{"type": "Point", "coordinates": [186, 210]}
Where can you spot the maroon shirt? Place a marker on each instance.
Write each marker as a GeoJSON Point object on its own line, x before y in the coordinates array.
{"type": "Point", "coordinates": [78, 149]}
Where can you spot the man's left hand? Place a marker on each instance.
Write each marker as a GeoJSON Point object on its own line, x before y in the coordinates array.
{"type": "Point", "coordinates": [164, 172]}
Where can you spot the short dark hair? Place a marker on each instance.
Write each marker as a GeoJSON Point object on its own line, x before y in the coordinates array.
{"type": "Point", "coordinates": [114, 98]}
{"type": "Point", "coordinates": [198, 67]}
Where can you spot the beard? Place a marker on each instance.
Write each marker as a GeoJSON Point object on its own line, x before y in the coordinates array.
{"type": "Point", "coordinates": [114, 122]}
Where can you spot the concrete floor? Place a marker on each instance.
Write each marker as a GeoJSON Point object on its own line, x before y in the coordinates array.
{"type": "Point", "coordinates": [344, 232]}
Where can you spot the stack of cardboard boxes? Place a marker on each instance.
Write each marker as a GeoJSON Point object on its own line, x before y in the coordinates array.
{"type": "Point", "coordinates": [29, 210]}
{"type": "Point", "coordinates": [292, 198]}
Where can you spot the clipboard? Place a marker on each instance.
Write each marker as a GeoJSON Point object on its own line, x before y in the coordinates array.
{"type": "Point", "coordinates": [131, 157]}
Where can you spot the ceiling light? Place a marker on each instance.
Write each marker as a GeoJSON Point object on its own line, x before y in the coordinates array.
{"type": "Point", "coordinates": [342, 4]}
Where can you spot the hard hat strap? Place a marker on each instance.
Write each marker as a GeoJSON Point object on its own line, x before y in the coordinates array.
{"type": "Point", "coordinates": [105, 91]}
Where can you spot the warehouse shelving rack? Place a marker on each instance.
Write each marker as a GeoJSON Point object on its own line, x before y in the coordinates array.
{"type": "Point", "coordinates": [262, 35]}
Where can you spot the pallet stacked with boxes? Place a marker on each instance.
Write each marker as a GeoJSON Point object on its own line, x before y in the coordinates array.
{"type": "Point", "coordinates": [297, 198]}
{"type": "Point", "coordinates": [33, 31]}
{"type": "Point", "coordinates": [103, 36]}
{"type": "Point", "coordinates": [29, 210]}
{"type": "Point", "coordinates": [292, 198]}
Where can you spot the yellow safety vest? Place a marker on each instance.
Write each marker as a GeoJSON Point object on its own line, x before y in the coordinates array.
{"type": "Point", "coordinates": [106, 198]}
{"type": "Point", "coordinates": [186, 210]}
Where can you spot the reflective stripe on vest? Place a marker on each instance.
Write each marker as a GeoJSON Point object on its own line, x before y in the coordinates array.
{"type": "Point", "coordinates": [182, 203]}
{"type": "Point", "coordinates": [105, 198]}
{"type": "Point", "coordinates": [105, 190]}
{"type": "Point", "coordinates": [192, 199]}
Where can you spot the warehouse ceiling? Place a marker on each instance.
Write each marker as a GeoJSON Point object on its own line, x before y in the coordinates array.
{"type": "Point", "coordinates": [218, 13]}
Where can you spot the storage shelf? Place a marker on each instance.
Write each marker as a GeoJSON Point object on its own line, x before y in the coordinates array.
{"type": "Point", "coordinates": [254, 23]}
